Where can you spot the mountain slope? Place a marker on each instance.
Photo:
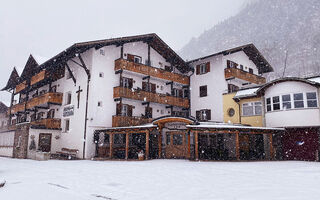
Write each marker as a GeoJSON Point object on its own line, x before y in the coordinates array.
{"type": "Point", "coordinates": [283, 30]}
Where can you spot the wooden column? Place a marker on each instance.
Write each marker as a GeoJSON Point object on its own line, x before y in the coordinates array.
{"type": "Point", "coordinates": [237, 146]}
{"type": "Point", "coordinates": [271, 147]}
{"type": "Point", "coordinates": [160, 142]}
{"type": "Point", "coordinates": [189, 144]}
{"type": "Point", "coordinates": [110, 145]}
{"type": "Point", "coordinates": [147, 144]}
{"type": "Point", "coordinates": [127, 145]}
{"type": "Point", "coordinates": [196, 142]}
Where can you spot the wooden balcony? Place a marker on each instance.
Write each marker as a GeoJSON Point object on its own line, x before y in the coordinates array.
{"type": "Point", "coordinates": [120, 121]}
{"type": "Point", "coordinates": [151, 71]}
{"type": "Point", "coordinates": [42, 100]}
{"type": "Point", "coordinates": [47, 98]}
{"type": "Point", "coordinates": [121, 92]}
{"type": "Point", "coordinates": [230, 73]}
{"type": "Point", "coordinates": [21, 87]}
{"type": "Point", "coordinates": [47, 123]}
{"type": "Point", "coordinates": [39, 77]}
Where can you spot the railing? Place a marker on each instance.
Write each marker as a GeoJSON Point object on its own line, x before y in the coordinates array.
{"type": "Point", "coordinates": [151, 71]}
{"type": "Point", "coordinates": [121, 92]}
{"type": "Point", "coordinates": [243, 75]}
{"type": "Point", "coordinates": [21, 87]}
{"type": "Point", "coordinates": [38, 77]}
{"type": "Point", "coordinates": [118, 121]}
{"type": "Point", "coordinates": [50, 97]}
{"type": "Point", "coordinates": [49, 123]}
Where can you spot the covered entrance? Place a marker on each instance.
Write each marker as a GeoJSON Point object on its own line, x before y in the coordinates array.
{"type": "Point", "coordinates": [176, 144]}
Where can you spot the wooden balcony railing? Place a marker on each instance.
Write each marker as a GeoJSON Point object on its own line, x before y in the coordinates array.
{"type": "Point", "coordinates": [121, 92]}
{"type": "Point", "coordinates": [39, 77]}
{"type": "Point", "coordinates": [151, 71]}
{"type": "Point", "coordinates": [243, 75]}
{"type": "Point", "coordinates": [120, 121]}
{"type": "Point", "coordinates": [21, 87]}
{"type": "Point", "coordinates": [50, 97]}
{"type": "Point", "coordinates": [47, 123]}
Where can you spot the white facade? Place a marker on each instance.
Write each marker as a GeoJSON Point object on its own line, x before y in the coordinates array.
{"type": "Point", "coordinates": [293, 117]}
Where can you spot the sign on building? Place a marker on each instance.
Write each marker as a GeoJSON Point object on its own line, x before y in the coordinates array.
{"type": "Point", "coordinates": [68, 111]}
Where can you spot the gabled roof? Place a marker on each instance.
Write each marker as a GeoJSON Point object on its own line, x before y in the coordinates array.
{"type": "Point", "coordinates": [152, 39]}
{"type": "Point", "coordinates": [13, 80]}
{"type": "Point", "coordinates": [3, 108]}
{"type": "Point", "coordinates": [30, 67]}
{"type": "Point", "coordinates": [251, 51]}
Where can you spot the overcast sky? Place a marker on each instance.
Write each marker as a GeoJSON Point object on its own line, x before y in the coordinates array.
{"type": "Point", "coordinates": [45, 27]}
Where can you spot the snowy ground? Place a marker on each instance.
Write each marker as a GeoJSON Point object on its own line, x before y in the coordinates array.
{"type": "Point", "coordinates": [158, 179]}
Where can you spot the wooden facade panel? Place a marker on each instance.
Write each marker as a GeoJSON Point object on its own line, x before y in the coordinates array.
{"type": "Point", "coordinates": [21, 87]}
{"type": "Point", "coordinates": [120, 121]}
{"type": "Point", "coordinates": [50, 97]}
{"type": "Point", "coordinates": [151, 71]}
{"type": "Point", "coordinates": [48, 123]}
{"type": "Point", "coordinates": [17, 108]}
{"type": "Point", "coordinates": [38, 77]}
{"type": "Point", "coordinates": [121, 92]}
{"type": "Point", "coordinates": [243, 75]}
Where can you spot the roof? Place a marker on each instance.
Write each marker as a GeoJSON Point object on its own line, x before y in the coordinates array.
{"type": "Point", "coordinates": [312, 82]}
{"type": "Point", "coordinates": [30, 68]}
{"type": "Point", "coordinates": [13, 80]}
{"type": "Point", "coordinates": [3, 108]}
{"type": "Point", "coordinates": [214, 125]}
{"type": "Point", "coordinates": [246, 93]}
{"type": "Point", "coordinates": [149, 125]}
{"type": "Point", "coordinates": [314, 79]}
{"type": "Point", "coordinates": [152, 39]}
{"type": "Point", "coordinates": [251, 51]}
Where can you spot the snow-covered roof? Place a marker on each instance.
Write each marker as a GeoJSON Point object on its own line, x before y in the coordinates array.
{"type": "Point", "coordinates": [246, 92]}
{"type": "Point", "coordinates": [149, 125]}
{"type": "Point", "coordinates": [315, 79]}
{"type": "Point", "coordinates": [230, 126]}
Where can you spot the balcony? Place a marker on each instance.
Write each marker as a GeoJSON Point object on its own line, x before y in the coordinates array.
{"type": "Point", "coordinates": [120, 121]}
{"type": "Point", "coordinates": [39, 77]}
{"type": "Point", "coordinates": [121, 92]}
{"type": "Point", "coordinates": [21, 87]}
{"type": "Point", "coordinates": [151, 71]}
{"type": "Point", "coordinates": [42, 100]}
{"type": "Point", "coordinates": [231, 73]}
{"type": "Point", "coordinates": [46, 124]}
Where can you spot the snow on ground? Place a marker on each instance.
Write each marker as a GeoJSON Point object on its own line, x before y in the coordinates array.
{"type": "Point", "coordinates": [158, 179]}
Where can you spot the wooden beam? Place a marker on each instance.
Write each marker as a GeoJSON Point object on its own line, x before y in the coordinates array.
{"type": "Point", "coordinates": [127, 145]}
{"type": "Point", "coordinates": [271, 147]}
{"type": "Point", "coordinates": [110, 145]}
{"type": "Point", "coordinates": [189, 145]}
{"type": "Point", "coordinates": [71, 74]}
{"type": "Point", "coordinates": [160, 142]}
{"type": "Point", "coordinates": [196, 141]}
{"type": "Point", "coordinates": [147, 144]}
{"type": "Point", "coordinates": [237, 146]}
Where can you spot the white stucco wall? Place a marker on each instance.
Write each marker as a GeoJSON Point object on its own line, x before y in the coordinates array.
{"type": "Point", "coordinates": [292, 117]}
{"type": "Point", "coordinates": [6, 143]}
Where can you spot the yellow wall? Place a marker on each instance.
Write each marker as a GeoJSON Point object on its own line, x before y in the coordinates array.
{"type": "Point", "coordinates": [228, 103]}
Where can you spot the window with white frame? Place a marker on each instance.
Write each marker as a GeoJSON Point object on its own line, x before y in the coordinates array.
{"type": "Point", "coordinates": [203, 68]}
{"type": "Point", "coordinates": [276, 103]}
{"type": "Point", "coordinates": [66, 125]}
{"type": "Point", "coordinates": [286, 102]}
{"type": "Point", "coordinates": [252, 108]}
{"type": "Point", "coordinates": [124, 110]}
{"type": "Point", "coordinates": [312, 99]}
{"type": "Point", "coordinates": [298, 100]}
{"type": "Point", "coordinates": [268, 103]}
{"type": "Point", "coordinates": [137, 59]}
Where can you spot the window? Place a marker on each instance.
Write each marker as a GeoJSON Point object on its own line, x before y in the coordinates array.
{"type": "Point", "coordinates": [232, 88]}
{"type": "Point", "coordinates": [99, 103]}
{"type": "Point", "coordinates": [231, 64]}
{"type": "Point", "coordinates": [168, 68]}
{"type": "Point", "coordinates": [102, 52]}
{"type": "Point", "coordinates": [101, 75]}
{"type": "Point", "coordinates": [66, 125]}
{"type": "Point", "coordinates": [286, 102]}
{"type": "Point", "coordinates": [177, 139]}
{"type": "Point", "coordinates": [203, 91]}
{"type": "Point", "coordinates": [106, 139]}
{"type": "Point", "coordinates": [250, 70]}
{"type": "Point", "coordinates": [40, 115]}
{"type": "Point", "coordinates": [231, 112]}
{"type": "Point", "coordinates": [137, 59]}
{"type": "Point", "coordinates": [252, 108]}
{"type": "Point", "coordinates": [149, 87]}
{"type": "Point", "coordinates": [312, 100]}
{"type": "Point", "coordinates": [268, 102]}
{"type": "Point", "coordinates": [50, 114]}
{"type": "Point", "coordinates": [126, 82]}
{"type": "Point", "coordinates": [298, 100]}
{"type": "Point", "coordinates": [168, 138]}
{"type": "Point", "coordinates": [68, 98]}
{"type": "Point", "coordinates": [203, 115]}
{"type": "Point", "coordinates": [276, 103]}
{"type": "Point", "coordinates": [124, 110]}
{"type": "Point", "coordinates": [241, 67]}
{"type": "Point", "coordinates": [203, 68]}
{"type": "Point", "coordinates": [119, 139]}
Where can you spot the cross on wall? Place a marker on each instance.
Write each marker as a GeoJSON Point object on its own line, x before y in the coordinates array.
{"type": "Point", "coordinates": [78, 92]}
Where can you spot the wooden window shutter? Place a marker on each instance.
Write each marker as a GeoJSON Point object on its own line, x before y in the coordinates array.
{"type": "Point", "coordinates": [198, 69]}
{"type": "Point", "coordinates": [144, 86]}
{"type": "Point", "coordinates": [119, 107]}
{"type": "Point", "coordinates": [180, 93]}
{"type": "Point", "coordinates": [130, 110]}
{"type": "Point", "coordinates": [130, 83]}
{"type": "Point", "coordinates": [130, 57]}
{"type": "Point", "coordinates": [208, 67]}
{"type": "Point", "coordinates": [208, 114]}
{"type": "Point", "coordinates": [153, 88]}
{"type": "Point", "coordinates": [198, 115]}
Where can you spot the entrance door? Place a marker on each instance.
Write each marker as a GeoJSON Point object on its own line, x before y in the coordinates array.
{"type": "Point", "coordinates": [45, 142]}
{"type": "Point", "coordinates": [176, 144]}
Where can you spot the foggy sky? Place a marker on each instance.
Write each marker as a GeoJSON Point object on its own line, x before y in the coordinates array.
{"type": "Point", "coordinates": [45, 28]}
